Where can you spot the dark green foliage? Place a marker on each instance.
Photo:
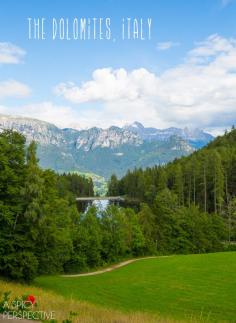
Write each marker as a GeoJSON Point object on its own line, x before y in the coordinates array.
{"type": "Point", "coordinates": [12, 175]}
{"type": "Point", "coordinates": [113, 186]}
{"type": "Point", "coordinates": [114, 231]}
{"type": "Point", "coordinates": [206, 179]}
{"type": "Point", "coordinates": [89, 236]}
{"type": "Point", "coordinates": [115, 234]}
{"type": "Point", "coordinates": [35, 216]}
{"type": "Point", "coordinates": [21, 265]}
{"type": "Point", "coordinates": [147, 221]}
{"type": "Point", "coordinates": [72, 185]}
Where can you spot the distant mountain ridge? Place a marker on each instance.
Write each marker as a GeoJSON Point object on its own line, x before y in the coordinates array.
{"type": "Point", "coordinates": [196, 137]}
{"type": "Point", "coordinates": [104, 151]}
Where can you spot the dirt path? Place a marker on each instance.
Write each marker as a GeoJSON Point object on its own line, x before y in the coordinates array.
{"type": "Point", "coordinates": [121, 264]}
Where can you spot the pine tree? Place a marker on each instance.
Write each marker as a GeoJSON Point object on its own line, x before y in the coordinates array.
{"type": "Point", "coordinates": [178, 184]}
{"type": "Point", "coordinates": [147, 222]}
{"type": "Point", "coordinates": [33, 191]}
{"type": "Point", "coordinates": [113, 188]}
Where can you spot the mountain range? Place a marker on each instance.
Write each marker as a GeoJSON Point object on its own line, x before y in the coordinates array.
{"type": "Point", "coordinates": [105, 151]}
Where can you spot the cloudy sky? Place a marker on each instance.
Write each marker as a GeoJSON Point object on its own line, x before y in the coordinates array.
{"type": "Point", "coordinates": [184, 76]}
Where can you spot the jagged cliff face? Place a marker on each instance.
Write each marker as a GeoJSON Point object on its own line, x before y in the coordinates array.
{"type": "Point", "coordinates": [106, 138]}
{"type": "Point", "coordinates": [39, 131]}
{"type": "Point", "coordinates": [105, 151]}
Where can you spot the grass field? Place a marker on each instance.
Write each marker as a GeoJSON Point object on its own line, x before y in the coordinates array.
{"type": "Point", "coordinates": [192, 287]}
{"type": "Point", "coordinates": [85, 313]}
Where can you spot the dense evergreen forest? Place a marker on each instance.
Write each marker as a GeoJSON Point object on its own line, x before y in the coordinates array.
{"type": "Point", "coordinates": [187, 206]}
{"type": "Point", "coordinates": [205, 181]}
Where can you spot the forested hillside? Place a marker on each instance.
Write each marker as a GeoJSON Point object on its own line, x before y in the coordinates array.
{"type": "Point", "coordinates": [206, 179]}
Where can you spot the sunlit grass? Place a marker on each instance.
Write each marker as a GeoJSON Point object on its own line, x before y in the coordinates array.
{"type": "Point", "coordinates": [86, 313]}
{"type": "Point", "coordinates": [191, 287]}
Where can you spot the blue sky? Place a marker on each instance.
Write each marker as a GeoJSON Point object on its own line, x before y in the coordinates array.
{"type": "Point", "coordinates": [58, 81]}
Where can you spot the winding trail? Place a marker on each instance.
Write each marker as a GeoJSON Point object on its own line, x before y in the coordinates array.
{"type": "Point", "coordinates": [105, 270]}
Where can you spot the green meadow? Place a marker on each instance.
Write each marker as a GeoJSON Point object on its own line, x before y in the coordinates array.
{"type": "Point", "coordinates": [187, 287]}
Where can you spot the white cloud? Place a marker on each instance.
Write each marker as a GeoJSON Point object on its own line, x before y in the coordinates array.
{"type": "Point", "coordinates": [166, 45]}
{"type": "Point", "coordinates": [11, 54]}
{"type": "Point", "coordinates": [210, 48]}
{"type": "Point", "coordinates": [200, 92]}
{"type": "Point", "coordinates": [218, 131]}
{"type": "Point", "coordinates": [110, 85]}
{"type": "Point", "coordinates": [62, 116]}
{"type": "Point", "coordinates": [13, 88]}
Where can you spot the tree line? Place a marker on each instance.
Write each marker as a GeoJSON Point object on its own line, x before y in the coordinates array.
{"type": "Point", "coordinates": [206, 179]}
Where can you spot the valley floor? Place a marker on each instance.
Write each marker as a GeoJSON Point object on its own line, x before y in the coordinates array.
{"type": "Point", "coordinates": [183, 288]}
{"type": "Point", "coordinates": [195, 288]}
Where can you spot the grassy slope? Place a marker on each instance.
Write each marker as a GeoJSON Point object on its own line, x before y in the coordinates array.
{"type": "Point", "coordinates": [199, 286]}
{"type": "Point", "coordinates": [86, 313]}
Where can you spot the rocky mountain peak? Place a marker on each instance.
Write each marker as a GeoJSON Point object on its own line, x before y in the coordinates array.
{"type": "Point", "coordinates": [42, 132]}
{"type": "Point", "coordinates": [106, 138]}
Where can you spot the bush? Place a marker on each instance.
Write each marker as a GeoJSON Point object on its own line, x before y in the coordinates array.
{"type": "Point", "coordinates": [20, 266]}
